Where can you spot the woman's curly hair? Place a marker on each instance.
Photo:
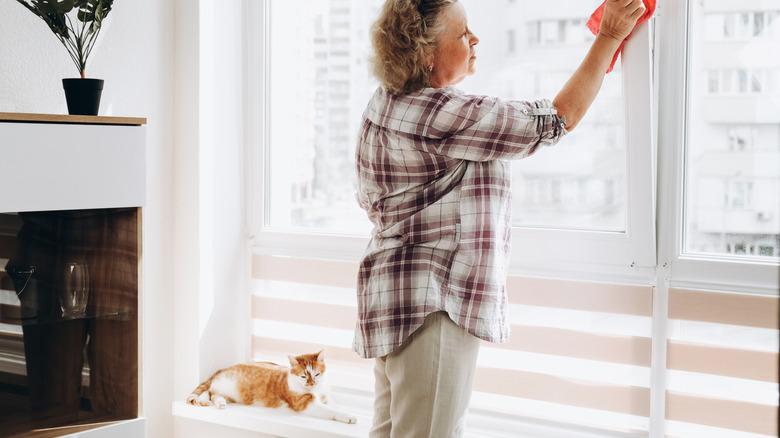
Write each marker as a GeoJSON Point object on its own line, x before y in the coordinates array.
{"type": "Point", "coordinates": [404, 37]}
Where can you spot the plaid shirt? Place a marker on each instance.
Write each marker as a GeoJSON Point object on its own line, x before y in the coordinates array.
{"type": "Point", "coordinates": [434, 178]}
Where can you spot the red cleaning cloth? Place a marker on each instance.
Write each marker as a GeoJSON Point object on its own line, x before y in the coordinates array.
{"type": "Point", "coordinates": [595, 22]}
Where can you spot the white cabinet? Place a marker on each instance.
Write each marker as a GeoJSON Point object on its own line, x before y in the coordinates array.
{"type": "Point", "coordinates": [71, 189]}
{"type": "Point", "coordinates": [60, 166]}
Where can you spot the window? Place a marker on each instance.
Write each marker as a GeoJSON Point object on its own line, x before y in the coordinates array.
{"type": "Point", "coordinates": [587, 213]}
{"type": "Point", "coordinates": [578, 190]}
{"type": "Point", "coordinates": [533, 33]}
{"type": "Point", "coordinates": [737, 25]}
{"type": "Point", "coordinates": [719, 179]}
{"type": "Point", "coordinates": [739, 194]}
{"type": "Point", "coordinates": [317, 63]}
{"type": "Point", "coordinates": [736, 81]}
{"type": "Point", "coordinates": [740, 138]}
{"type": "Point", "coordinates": [729, 151]}
{"type": "Point", "coordinates": [558, 32]}
{"type": "Point", "coordinates": [510, 38]}
{"type": "Point", "coordinates": [572, 209]}
{"type": "Point", "coordinates": [581, 155]}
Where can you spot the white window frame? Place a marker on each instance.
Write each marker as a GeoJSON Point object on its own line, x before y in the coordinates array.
{"type": "Point", "coordinates": [609, 256]}
{"type": "Point", "coordinates": [707, 272]}
{"type": "Point", "coordinates": [626, 257]}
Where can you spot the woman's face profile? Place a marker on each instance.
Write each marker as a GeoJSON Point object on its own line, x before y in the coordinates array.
{"type": "Point", "coordinates": [454, 55]}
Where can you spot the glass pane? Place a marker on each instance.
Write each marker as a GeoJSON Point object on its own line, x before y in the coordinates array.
{"type": "Point", "coordinates": [581, 182]}
{"type": "Point", "coordinates": [68, 343]}
{"type": "Point", "coordinates": [320, 86]}
{"type": "Point", "coordinates": [733, 151]}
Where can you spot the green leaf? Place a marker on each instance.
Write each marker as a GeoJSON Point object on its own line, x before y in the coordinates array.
{"type": "Point", "coordinates": [47, 11]}
{"type": "Point", "coordinates": [85, 16]}
{"type": "Point", "coordinates": [65, 6]}
{"type": "Point", "coordinates": [44, 6]}
{"type": "Point", "coordinates": [98, 15]}
{"type": "Point", "coordinates": [55, 13]}
{"type": "Point", "coordinates": [58, 25]}
{"type": "Point", "coordinates": [54, 6]}
{"type": "Point", "coordinates": [94, 11]}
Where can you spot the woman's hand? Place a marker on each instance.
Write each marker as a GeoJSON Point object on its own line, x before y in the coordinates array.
{"type": "Point", "coordinates": [576, 96]}
{"type": "Point", "coordinates": [620, 17]}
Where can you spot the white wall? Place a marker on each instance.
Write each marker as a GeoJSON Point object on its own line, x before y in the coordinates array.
{"type": "Point", "coordinates": [134, 55]}
{"type": "Point", "coordinates": [212, 257]}
{"type": "Point", "coordinates": [211, 253]}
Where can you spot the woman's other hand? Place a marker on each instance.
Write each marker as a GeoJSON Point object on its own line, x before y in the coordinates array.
{"type": "Point", "coordinates": [620, 17]}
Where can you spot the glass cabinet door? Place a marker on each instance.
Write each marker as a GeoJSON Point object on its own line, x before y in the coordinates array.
{"type": "Point", "coordinates": [62, 365]}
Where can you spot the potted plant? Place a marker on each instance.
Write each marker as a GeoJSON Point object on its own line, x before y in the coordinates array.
{"type": "Point", "coordinates": [78, 34]}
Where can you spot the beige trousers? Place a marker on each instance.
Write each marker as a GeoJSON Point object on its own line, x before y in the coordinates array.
{"type": "Point", "coordinates": [423, 388]}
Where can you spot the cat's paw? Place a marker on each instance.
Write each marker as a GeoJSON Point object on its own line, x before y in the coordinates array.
{"type": "Point", "coordinates": [204, 399]}
{"type": "Point", "coordinates": [345, 418]}
{"type": "Point", "coordinates": [219, 401]}
{"type": "Point", "coordinates": [198, 400]}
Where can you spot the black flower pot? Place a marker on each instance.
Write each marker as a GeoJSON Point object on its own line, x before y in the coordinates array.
{"type": "Point", "coordinates": [83, 96]}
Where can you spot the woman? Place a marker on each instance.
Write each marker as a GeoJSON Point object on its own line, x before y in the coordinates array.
{"type": "Point", "coordinates": [433, 176]}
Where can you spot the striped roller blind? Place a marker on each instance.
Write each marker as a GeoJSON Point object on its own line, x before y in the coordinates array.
{"type": "Point", "coordinates": [579, 352]}
{"type": "Point", "coordinates": [722, 362]}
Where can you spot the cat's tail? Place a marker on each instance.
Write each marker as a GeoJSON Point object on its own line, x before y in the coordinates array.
{"type": "Point", "coordinates": [200, 396]}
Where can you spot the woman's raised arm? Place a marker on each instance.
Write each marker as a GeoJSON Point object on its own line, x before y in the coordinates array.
{"type": "Point", "coordinates": [581, 89]}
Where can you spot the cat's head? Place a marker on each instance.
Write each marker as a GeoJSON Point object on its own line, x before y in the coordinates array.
{"type": "Point", "coordinates": [308, 370]}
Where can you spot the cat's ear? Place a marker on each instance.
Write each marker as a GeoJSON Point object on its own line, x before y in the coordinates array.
{"type": "Point", "coordinates": [293, 360]}
{"type": "Point", "coordinates": [320, 355]}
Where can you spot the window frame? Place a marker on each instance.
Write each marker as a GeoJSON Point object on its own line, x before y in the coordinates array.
{"type": "Point", "coordinates": [627, 257]}
{"type": "Point", "coordinates": [681, 269]}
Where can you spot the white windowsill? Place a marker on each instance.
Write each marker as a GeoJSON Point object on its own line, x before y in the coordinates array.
{"type": "Point", "coordinates": [285, 423]}
{"type": "Point", "coordinates": [282, 421]}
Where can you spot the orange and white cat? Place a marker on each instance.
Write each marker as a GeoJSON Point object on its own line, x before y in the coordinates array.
{"type": "Point", "coordinates": [302, 387]}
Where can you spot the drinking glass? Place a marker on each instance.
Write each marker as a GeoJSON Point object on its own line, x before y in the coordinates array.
{"type": "Point", "coordinates": [75, 289]}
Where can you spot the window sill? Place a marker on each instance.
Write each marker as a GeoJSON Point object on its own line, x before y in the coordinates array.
{"type": "Point", "coordinates": [283, 422]}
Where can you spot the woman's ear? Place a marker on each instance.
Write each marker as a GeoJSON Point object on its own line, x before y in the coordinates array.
{"type": "Point", "coordinates": [427, 59]}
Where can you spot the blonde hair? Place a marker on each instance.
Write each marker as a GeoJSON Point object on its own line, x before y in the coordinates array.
{"type": "Point", "coordinates": [403, 38]}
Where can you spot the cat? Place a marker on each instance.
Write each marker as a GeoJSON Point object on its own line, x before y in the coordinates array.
{"type": "Point", "coordinates": [302, 387]}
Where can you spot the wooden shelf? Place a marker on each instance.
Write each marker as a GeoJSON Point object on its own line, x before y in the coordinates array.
{"type": "Point", "coordinates": [68, 119]}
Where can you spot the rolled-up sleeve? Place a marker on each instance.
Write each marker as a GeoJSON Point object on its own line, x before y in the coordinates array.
{"type": "Point", "coordinates": [451, 123]}
{"type": "Point", "coordinates": [479, 128]}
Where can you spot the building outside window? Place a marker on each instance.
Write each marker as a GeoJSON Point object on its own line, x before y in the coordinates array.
{"type": "Point", "coordinates": [733, 25]}
{"type": "Point", "coordinates": [734, 131]}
